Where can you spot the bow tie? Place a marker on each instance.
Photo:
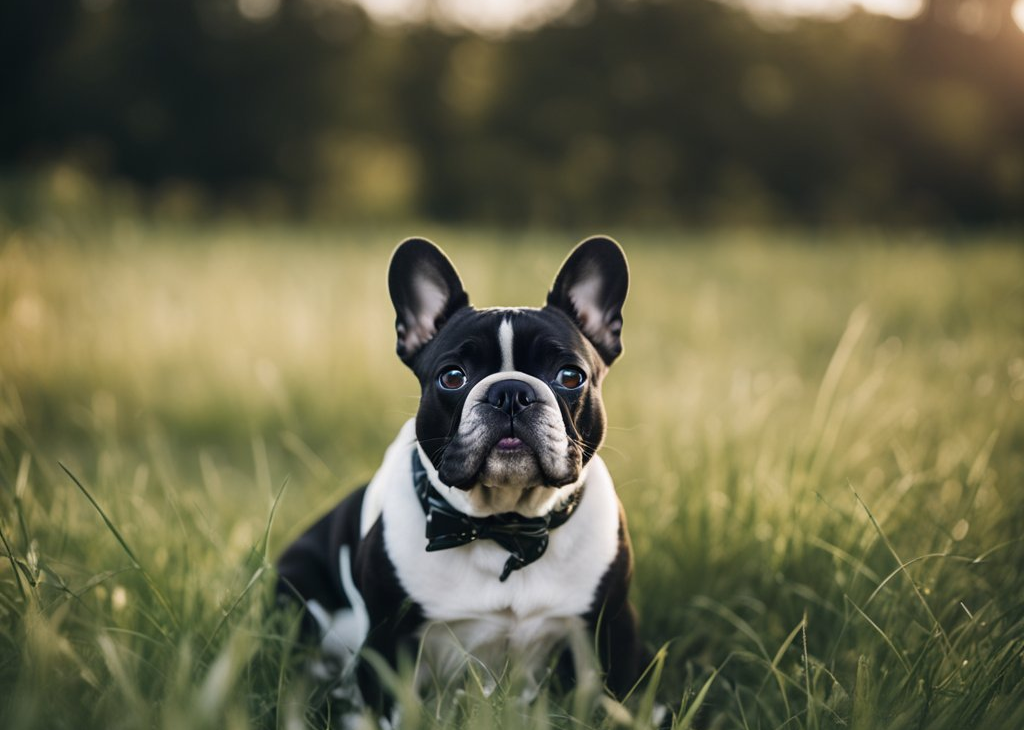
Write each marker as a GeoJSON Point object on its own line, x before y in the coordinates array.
{"type": "Point", "coordinates": [525, 538]}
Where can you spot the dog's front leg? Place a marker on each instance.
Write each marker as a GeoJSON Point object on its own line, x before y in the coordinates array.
{"type": "Point", "coordinates": [622, 655]}
{"type": "Point", "coordinates": [393, 617]}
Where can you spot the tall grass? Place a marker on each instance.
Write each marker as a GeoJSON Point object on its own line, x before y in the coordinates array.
{"type": "Point", "coordinates": [819, 449]}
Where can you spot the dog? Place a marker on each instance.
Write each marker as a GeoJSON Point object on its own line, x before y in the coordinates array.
{"type": "Point", "coordinates": [491, 533]}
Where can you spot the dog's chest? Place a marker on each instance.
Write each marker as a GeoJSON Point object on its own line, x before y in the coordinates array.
{"type": "Point", "coordinates": [495, 642]}
{"type": "Point", "coordinates": [467, 610]}
{"type": "Point", "coordinates": [462, 584]}
{"type": "Point", "coordinates": [473, 618]}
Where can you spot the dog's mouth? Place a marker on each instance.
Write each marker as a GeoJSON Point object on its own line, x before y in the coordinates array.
{"type": "Point", "coordinates": [511, 462]}
{"type": "Point", "coordinates": [527, 451]}
{"type": "Point", "coordinates": [500, 462]}
{"type": "Point", "coordinates": [510, 444]}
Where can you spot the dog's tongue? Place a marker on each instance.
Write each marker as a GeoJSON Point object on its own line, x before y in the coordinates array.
{"type": "Point", "coordinates": [509, 443]}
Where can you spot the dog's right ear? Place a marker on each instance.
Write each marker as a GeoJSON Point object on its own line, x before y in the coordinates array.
{"type": "Point", "coordinates": [591, 288]}
{"type": "Point", "coordinates": [426, 291]}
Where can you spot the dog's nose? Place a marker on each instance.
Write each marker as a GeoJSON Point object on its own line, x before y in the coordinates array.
{"type": "Point", "coordinates": [510, 396]}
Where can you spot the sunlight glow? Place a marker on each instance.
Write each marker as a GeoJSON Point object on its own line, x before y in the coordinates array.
{"type": "Point", "coordinates": [257, 10]}
{"type": "Point", "coordinates": [896, 8]}
{"type": "Point", "coordinates": [497, 15]}
{"type": "Point", "coordinates": [834, 8]}
{"type": "Point", "coordinates": [501, 16]}
{"type": "Point", "coordinates": [393, 12]}
{"type": "Point", "coordinates": [482, 16]}
{"type": "Point", "coordinates": [1018, 14]}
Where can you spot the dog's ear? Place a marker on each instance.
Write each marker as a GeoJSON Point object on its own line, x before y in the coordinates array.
{"type": "Point", "coordinates": [426, 291]}
{"type": "Point", "coordinates": [591, 288]}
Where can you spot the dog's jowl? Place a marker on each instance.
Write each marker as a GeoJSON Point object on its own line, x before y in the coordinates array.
{"type": "Point", "coordinates": [491, 534]}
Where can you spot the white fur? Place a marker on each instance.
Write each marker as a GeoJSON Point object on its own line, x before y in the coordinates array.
{"type": "Point", "coordinates": [342, 633]}
{"type": "Point", "coordinates": [585, 299]}
{"type": "Point", "coordinates": [491, 644]}
{"type": "Point", "coordinates": [431, 298]}
{"type": "Point", "coordinates": [482, 617]}
{"type": "Point", "coordinates": [350, 626]}
{"type": "Point", "coordinates": [397, 461]}
{"type": "Point", "coordinates": [505, 340]}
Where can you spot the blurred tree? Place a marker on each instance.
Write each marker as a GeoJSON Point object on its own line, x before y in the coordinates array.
{"type": "Point", "coordinates": [618, 112]}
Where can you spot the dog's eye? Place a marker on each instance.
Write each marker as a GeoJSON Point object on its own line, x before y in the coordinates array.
{"type": "Point", "coordinates": [452, 379]}
{"type": "Point", "coordinates": [570, 378]}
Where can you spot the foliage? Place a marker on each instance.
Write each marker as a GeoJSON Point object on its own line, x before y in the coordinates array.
{"type": "Point", "coordinates": [619, 112]}
{"type": "Point", "coordinates": [819, 451]}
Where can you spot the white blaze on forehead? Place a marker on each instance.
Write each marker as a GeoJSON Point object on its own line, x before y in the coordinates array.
{"type": "Point", "coordinates": [505, 340]}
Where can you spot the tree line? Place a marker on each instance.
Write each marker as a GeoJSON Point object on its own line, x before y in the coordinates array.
{"type": "Point", "coordinates": [618, 112]}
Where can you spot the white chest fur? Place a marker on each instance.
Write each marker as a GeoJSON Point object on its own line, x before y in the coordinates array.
{"type": "Point", "coordinates": [470, 612]}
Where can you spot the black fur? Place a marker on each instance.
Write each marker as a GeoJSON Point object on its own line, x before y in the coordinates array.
{"type": "Point", "coordinates": [438, 330]}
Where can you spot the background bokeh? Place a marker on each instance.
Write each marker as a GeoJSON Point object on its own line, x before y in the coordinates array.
{"type": "Point", "coordinates": [551, 112]}
{"type": "Point", "coordinates": [817, 427]}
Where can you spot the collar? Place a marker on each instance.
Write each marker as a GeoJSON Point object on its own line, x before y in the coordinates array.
{"type": "Point", "coordinates": [525, 538]}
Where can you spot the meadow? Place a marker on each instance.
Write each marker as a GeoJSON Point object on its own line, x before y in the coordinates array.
{"type": "Point", "coordinates": [819, 444]}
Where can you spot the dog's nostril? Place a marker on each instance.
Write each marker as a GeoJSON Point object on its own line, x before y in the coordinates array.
{"type": "Point", "coordinates": [510, 396]}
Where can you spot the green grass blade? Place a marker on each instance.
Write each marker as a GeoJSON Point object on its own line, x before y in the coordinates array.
{"type": "Point", "coordinates": [171, 614]}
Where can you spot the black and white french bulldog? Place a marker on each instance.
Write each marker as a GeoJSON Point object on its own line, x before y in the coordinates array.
{"type": "Point", "coordinates": [492, 531]}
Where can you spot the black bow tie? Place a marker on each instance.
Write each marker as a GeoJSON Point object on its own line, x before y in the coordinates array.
{"type": "Point", "coordinates": [525, 538]}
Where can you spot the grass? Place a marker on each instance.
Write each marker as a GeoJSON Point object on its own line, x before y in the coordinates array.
{"type": "Point", "coordinates": [820, 449]}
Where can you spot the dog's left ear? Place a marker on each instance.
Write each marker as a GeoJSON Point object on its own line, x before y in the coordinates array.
{"type": "Point", "coordinates": [591, 287]}
{"type": "Point", "coordinates": [426, 291]}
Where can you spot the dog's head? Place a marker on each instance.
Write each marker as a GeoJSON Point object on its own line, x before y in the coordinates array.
{"type": "Point", "coordinates": [511, 398]}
